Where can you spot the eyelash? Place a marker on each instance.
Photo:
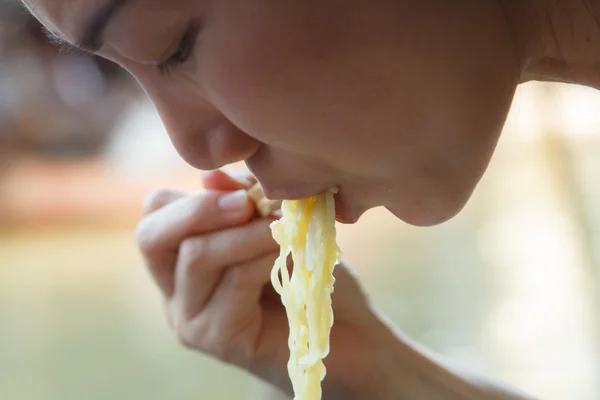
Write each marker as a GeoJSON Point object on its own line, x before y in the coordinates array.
{"type": "Point", "coordinates": [182, 54]}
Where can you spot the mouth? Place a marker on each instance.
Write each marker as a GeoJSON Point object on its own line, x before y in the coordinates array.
{"type": "Point", "coordinates": [346, 209]}
{"type": "Point", "coordinates": [345, 213]}
{"type": "Point", "coordinates": [288, 193]}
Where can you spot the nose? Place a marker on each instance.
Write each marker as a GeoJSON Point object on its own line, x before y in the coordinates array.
{"type": "Point", "coordinates": [200, 133]}
{"type": "Point", "coordinates": [212, 146]}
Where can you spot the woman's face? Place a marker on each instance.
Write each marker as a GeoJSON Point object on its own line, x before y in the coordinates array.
{"type": "Point", "coordinates": [399, 103]}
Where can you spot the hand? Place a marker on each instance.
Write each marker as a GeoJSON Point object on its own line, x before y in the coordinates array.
{"type": "Point", "coordinates": [211, 258]}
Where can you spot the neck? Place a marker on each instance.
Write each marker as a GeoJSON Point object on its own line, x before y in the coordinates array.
{"type": "Point", "coordinates": [557, 40]}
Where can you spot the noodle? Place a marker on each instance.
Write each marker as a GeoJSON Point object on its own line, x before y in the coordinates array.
{"type": "Point", "coordinates": [307, 232]}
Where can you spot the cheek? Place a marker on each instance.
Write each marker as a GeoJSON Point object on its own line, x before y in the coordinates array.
{"type": "Point", "coordinates": [253, 82]}
{"type": "Point", "coordinates": [240, 87]}
{"type": "Point", "coordinates": [272, 78]}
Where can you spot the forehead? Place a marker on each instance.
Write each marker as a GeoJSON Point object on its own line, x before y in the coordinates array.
{"type": "Point", "coordinates": [64, 18]}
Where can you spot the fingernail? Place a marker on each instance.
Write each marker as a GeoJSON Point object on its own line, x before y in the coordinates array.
{"type": "Point", "coordinates": [234, 201]}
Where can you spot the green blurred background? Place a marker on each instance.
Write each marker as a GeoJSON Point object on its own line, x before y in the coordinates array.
{"type": "Point", "coordinates": [509, 288]}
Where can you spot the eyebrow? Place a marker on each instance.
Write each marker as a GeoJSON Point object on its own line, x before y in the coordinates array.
{"type": "Point", "coordinates": [94, 30]}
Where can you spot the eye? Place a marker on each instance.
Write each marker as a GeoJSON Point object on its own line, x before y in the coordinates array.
{"type": "Point", "coordinates": [183, 52]}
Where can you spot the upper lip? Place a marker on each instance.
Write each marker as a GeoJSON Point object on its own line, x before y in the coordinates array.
{"type": "Point", "coordinates": [288, 193]}
{"type": "Point", "coordinates": [280, 187]}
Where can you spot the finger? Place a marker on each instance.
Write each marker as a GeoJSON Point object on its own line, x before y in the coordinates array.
{"type": "Point", "coordinates": [159, 198]}
{"type": "Point", "coordinates": [160, 233]}
{"type": "Point", "coordinates": [203, 259]}
{"type": "Point", "coordinates": [241, 174]}
{"type": "Point", "coordinates": [264, 206]}
{"type": "Point", "coordinates": [243, 284]}
{"type": "Point", "coordinates": [226, 181]}
{"type": "Point", "coordinates": [204, 212]}
{"type": "Point", "coordinates": [233, 311]}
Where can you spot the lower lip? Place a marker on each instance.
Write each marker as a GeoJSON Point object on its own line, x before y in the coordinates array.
{"type": "Point", "coordinates": [343, 212]}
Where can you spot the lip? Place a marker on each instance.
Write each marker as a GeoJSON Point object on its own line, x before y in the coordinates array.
{"type": "Point", "coordinates": [344, 212]}
{"type": "Point", "coordinates": [279, 187]}
{"type": "Point", "coordinates": [285, 193]}
{"type": "Point", "coordinates": [275, 188]}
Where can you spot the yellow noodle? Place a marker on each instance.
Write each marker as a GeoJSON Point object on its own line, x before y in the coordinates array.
{"type": "Point", "coordinates": [307, 232]}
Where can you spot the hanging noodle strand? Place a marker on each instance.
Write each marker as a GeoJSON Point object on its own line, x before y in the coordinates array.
{"type": "Point", "coordinates": [307, 232]}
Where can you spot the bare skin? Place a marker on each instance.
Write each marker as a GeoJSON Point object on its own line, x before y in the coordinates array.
{"type": "Point", "coordinates": [399, 103]}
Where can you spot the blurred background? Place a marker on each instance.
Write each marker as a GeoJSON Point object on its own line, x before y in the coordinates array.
{"type": "Point", "coordinates": [510, 288]}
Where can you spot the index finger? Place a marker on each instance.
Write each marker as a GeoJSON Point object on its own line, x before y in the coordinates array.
{"type": "Point", "coordinates": [228, 180]}
{"type": "Point", "coordinates": [164, 229]}
{"type": "Point", "coordinates": [159, 198]}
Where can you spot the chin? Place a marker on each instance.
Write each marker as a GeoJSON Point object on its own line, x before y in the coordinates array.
{"type": "Point", "coordinates": [428, 215]}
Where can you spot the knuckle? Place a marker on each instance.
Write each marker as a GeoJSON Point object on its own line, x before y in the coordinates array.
{"type": "Point", "coordinates": [195, 250]}
{"type": "Point", "coordinates": [181, 327]}
{"type": "Point", "coordinates": [215, 345]}
{"type": "Point", "coordinates": [156, 199]}
{"type": "Point", "coordinates": [202, 201]}
{"type": "Point", "coordinates": [212, 339]}
{"type": "Point", "coordinates": [185, 338]}
{"type": "Point", "coordinates": [237, 277]}
{"type": "Point", "coordinates": [145, 234]}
